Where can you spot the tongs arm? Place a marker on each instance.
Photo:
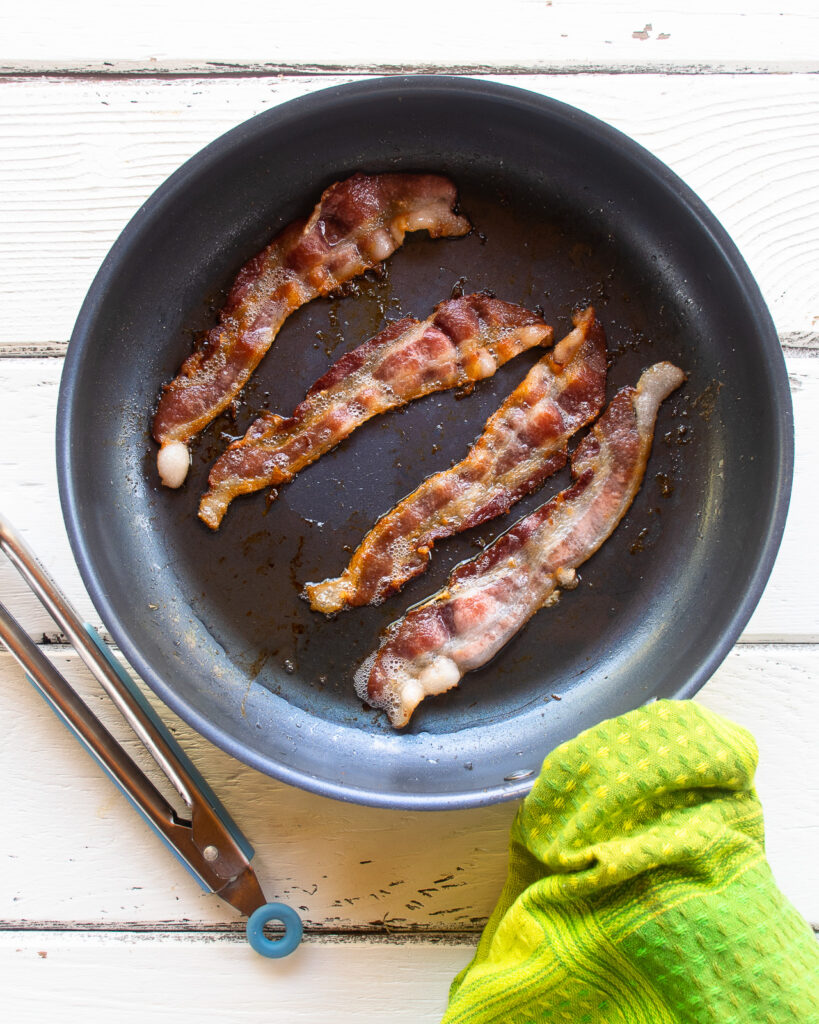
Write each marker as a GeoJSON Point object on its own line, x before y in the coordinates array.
{"type": "Point", "coordinates": [209, 844]}
{"type": "Point", "coordinates": [84, 723]}
{"type": "Point", "coordinates": [58, 607]}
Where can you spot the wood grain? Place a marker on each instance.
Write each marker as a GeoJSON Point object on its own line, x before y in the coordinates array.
{"type": "Point", "coordinates": [100, 977]}
{"type": "Point", "coordinates": [79, 157]}
{"type": "Point", "coordinates": [76, 853]}
{"type": "Point", "coordinates": [156, 37]}
{"type": "Point", "coordinates": [81, 152]}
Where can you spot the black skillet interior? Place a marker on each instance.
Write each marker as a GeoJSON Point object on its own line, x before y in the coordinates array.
{"type": "Point", "coordinates": [566, 211]}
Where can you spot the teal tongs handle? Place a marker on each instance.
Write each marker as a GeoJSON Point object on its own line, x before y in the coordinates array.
{"type": "Point", "coordinates": [274, 948]}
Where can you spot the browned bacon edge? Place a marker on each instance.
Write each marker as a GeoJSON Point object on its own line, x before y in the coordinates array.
{"type": "Point", "coordinates": [465, 340]}
{"type": "Point", "coordinates": [488, 599]}
{"type": "Point", "coordinates": [357, 223]}
{"type": "Point", "coordinates": [522, 444]}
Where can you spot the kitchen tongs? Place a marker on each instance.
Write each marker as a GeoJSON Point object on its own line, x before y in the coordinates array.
{"type": "Point", "coordinates": [210, 844]}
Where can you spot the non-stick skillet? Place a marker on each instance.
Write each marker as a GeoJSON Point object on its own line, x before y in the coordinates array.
{"type": "Point", "coordinates": [566, 211]}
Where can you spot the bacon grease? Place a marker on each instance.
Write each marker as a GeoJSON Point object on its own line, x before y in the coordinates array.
{"type": "Point", "coordinates": [465, 340]}
{"type": "Point", "coordinates": [522, 444]}
{"type": "Point", "coordinates": [489, 598]}
{"type": "Point", "coordinates": [357, 223]}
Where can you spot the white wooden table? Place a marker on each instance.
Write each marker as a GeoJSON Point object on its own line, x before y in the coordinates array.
{"type": "Point", "coordinates": [98, 104]}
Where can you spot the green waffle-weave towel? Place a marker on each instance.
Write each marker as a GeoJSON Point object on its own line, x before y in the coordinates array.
{"type": "Point", "coordinates": [638, 889]}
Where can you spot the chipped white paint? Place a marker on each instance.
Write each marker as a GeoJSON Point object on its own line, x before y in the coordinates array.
{"type": "Point", "coordinates": [78, 158]}
{"type": "Point", "coordinates": [196, 35]}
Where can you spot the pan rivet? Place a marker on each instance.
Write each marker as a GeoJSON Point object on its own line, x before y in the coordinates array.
{"type": "Point", "coordinates": [210, 853]}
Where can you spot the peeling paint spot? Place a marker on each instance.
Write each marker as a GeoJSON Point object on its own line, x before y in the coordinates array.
{"type": "Point", "coordinates": [644, 33]}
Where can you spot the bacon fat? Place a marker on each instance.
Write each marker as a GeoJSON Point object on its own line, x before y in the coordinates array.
{"type": "Point", "coordinates": [357, 223]}
{"type": "Point", "coordinates": [523, 443]}
{"type": "Point", "coordinates": [488, 599]}
{"type": "Point", "coordinates": [465, 340]}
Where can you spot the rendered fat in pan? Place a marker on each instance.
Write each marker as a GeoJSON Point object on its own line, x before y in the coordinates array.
{"type": "Point", "coordinates": [567, 212]}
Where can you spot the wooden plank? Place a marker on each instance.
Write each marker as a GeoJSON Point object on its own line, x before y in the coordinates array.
{"type": "Point", "coordinates": [99, 977]}
{"type": "Point", "coordinates": [789, 609]}
{"type": "Point", "coordinates": [79, 160]}
{"type": "Point", "coordinates": [568, 35]}
{"type": "Point", "coordinates": [79, 157]}
{"type": "Point", "coordinates": [778, 614]}
{"type": "Point", "coordinates": [74, 851]}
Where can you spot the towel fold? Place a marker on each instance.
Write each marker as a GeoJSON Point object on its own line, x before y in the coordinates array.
{"type": "Point", "coordinates": [638, 889]}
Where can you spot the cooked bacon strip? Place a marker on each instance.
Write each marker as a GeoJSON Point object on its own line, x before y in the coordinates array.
{"type": "Point", "coordinates": [465, 340]}
{"type": "Point", "coordinates": [358, 223]}
{"type": "Point", "coordinates": [489, 598]}
{"type": "Point", "coordinates": [523, 443]}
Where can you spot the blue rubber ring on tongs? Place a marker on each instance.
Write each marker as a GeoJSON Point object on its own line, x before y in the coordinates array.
{"type": "Point", "coordinates": [274, 948]}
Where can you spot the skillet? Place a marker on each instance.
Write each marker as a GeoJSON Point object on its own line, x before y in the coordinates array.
{"type": "Point", "coordinates": [566, 211]}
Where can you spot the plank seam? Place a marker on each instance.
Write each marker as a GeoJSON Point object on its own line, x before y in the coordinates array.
{"type": "Point", "coordinates": [236, 934]}
{"type": "Point", "coordinates": [9, 72]}
{"type": "Point", "coordinates": [35, 350]}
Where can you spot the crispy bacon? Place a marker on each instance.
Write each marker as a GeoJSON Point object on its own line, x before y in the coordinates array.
{"type": "Point", "coordinates": [489, 598]}
{"type": "Point", "coordinates": [358, 223]}
{"type": "Point", "coordinates": [523, 443]}
{"type": "Point", "coordinates": [465, 340]}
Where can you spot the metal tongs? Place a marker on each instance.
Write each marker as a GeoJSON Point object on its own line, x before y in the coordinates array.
{"type": "Point", "coordinates": [210, 844]}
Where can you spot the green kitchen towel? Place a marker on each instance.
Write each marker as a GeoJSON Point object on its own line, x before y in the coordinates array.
{"type": "Point", "coordinates": [638, 889]}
